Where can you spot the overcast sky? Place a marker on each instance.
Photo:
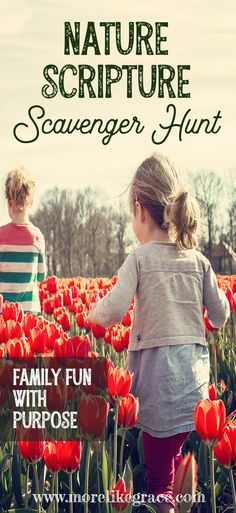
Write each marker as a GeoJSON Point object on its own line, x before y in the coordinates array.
{"type": "Point", "coordinates": [200, 33]}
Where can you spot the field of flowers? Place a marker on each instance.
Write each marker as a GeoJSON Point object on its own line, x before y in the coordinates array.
{"type": "Point", "coordinates": [107, 457]}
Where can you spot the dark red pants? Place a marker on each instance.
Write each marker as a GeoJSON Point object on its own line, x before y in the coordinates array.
{"type": "Point", "coordinates": [162, 457]}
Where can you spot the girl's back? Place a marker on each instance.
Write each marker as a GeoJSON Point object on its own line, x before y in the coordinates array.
{"type": "Point", "coordinates": [22, 264]}
{"type": "Point", "coordinates": [22, 247]}
{"type": "Point", "coordinates": [170, 286]}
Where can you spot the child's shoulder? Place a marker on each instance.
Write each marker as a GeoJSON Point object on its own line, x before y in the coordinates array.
{"type": "Point", "coordinates": [169, 251]}
{"type": "Point", "coordinates": [4, 227]}
{"type": "Point", "coordinates": [38, 236]}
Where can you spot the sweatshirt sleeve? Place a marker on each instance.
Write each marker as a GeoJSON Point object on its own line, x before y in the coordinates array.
{"type": "Point", "coordinates": [214, 299]}
{"type": "Point", "coordinates": [42, 266]}
{"type": "Point", "coordinates": [112, 307]}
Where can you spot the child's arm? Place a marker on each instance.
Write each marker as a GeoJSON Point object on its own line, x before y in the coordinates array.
{"type": "Point", "coordinates": [215, 300]}
{"type": "Point", "coordinates": [112, 308]}
{"type": "Point", "coordinates": [42, 266]}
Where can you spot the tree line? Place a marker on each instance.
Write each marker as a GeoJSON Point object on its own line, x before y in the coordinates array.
{"type": "Point", "coordinates": [84, 235]}
{"type": "Point", "coordinates": [88, 236]}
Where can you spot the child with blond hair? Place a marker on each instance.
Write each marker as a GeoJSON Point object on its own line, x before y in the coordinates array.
{"type": "Point", "coordinates": [170, 281]}
{"type": "Point", "coordinates": [22, 246]}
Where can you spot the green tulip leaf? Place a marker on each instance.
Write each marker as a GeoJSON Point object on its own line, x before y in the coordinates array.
{"type": "Point", "coordinates": [105, 479]}
{"type": "Point", "coordinates": [140, 447]}
{"type": "Point", "coordinates": [16, 478]}
{"type": "Point", "coordinates": [203, 462]}
{"type": "Point", "coordinates": [5, 501]}
{"type": "Point", "coordinates": [221, 484]}
{"type": "Point", "coordinates": [150, 508]}
{"type": "Point", "coordinates": [3, 462]}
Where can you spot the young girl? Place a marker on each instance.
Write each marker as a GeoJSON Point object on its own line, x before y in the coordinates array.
{"type": "Point", "coordinates": [22, 248]}
{"type": "Point", "coordinates": [170, 282]}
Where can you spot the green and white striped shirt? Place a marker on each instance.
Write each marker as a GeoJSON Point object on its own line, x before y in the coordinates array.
{"type": "Point", "coordinates": [22, 264]}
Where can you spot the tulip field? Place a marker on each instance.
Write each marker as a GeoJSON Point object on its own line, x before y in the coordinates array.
{"type": "Point", "coordinates": [41, 471]}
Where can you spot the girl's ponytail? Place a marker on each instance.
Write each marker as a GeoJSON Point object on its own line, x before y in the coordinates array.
{"type": "Point", "coordinates": [182, 217]}
{"type": "Point", "coordinates": [159, 188]}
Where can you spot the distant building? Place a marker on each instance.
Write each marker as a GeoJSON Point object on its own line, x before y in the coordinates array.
{"type": "Point", "coordinates": [223, 258]}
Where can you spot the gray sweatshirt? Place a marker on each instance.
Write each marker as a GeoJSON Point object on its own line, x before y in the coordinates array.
{"type": "Point", "coordinates": [169, 287]}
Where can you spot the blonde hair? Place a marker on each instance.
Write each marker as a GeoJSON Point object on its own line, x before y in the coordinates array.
{"type": "Point", "coordinates": [160, 189]}
{"type": "Point", "coordinates": [19, 188]}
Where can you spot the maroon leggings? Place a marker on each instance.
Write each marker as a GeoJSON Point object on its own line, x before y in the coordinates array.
{"type": "Point", "coordinates": [162, 457]}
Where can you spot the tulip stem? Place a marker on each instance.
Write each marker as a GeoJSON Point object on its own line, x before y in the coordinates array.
{"type": "Point", "coordinates": [86, 479]}
{"type": "Point", "coordinates": [212, 475]}
{"type": "Point", "coordinates": [122, 450]}
{"type": "Point", "coordinates": [36, 478]}
{"type": "Point", "coordinates": [56, 492]}
{"type": "Point", "coordinates": [215, 363]}
{"type": "Point", "coordinates": [206, 461]}
{"type": "Point", "coordinates": [26, 486]}
{"type": "Point", "coordinates": [98, 483]}
{"type": "Point", "coordinates": [115, 439]}
{"type": "Point", "coordinates": [70, 492]}
{"type": "Point", "coordinates": [232, 484]}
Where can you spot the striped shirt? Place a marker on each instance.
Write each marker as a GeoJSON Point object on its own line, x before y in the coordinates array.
{"type": "Point", "coordinates": [22, 264]}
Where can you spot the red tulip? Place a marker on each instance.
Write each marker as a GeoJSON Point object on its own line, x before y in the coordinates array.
{"type": "Point", "coordinates": [3, 350]}
{"type": "Point", "coordinates": [80, 320]}
{"type": "Point", "coordinates": [29, 322]}
{"type": "Point", "coordinates": [98, 331]}
{"type": "Point", "coordinates": [2, 329]}
{"type": "Point", "coordinates": [120, 341]}
{"type": "Point", "coordinates": [17, 348]}
{"type": "Point", "coordinates": [69, 454]}
{"type": "Point", "coordinates": [128, 411]}
{"type": "Point", "coordinates": [75, 291]}
{"type": "Point", "coordinates": [64, 321]}
{"type": "Point", "coordinates": [230, 297]}
{"type": "Point", "coordinates": [81, 346]}
{"type": "Point", "coordinates": [38, 340]}
{"type": "Point", "coordinates": [185, 482]}
{"type": "Point", "coordinates": [77, 347]}
{"type": "Point", "coordinates": [208, 325]}
{"type": "Point", "coordinates": [127, 319]}
{"type": "Point", "coordinates": [100, 368]}
{"type": "Point", "coordinates": [107, 337]}
{"type": "Point", "coordinates": [223, 385]}
{"type": "Point", "coordinates": [31, 444]}
{"type": "Point", "coordinates": [67, 297]}
{"type": "Point", "coordinates": [43, 294]}
{"type": "Point", "coordinates": [210, 420]}
{"type": "Point", "coordinates": [53, 333]}
{"type": "Point", "coordinates": [50, 456]}
{"type": "Point", "coordinates": [212, 391]}
{"type": "Point", "coordinates": [120, 496]}
{"type": "Point", "coordinates": [63, 348]}
{"type": "Point", "coordinates": [12, 311]}
{"type": "Point", "coordinates": [52, 283]}
{"type": "Point", "coordinates": [57, 396]}
{"type": "Point", "coordinates": [225, 449]}
{"type": "Point", "coordinates": [76, 306]}
{"type": "Point", "coordinates": [58, 300]}
{"type": "Point", "coordinates": [92, 415]}
{"type": "Point", "coordinates": [119, 382]}
{"type": "Point", "coordinates": [12, 329]}
{"type": "Point", "coordinates": [48, 306]}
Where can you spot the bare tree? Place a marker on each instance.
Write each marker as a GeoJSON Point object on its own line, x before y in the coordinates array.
{"type": "Point", "coordinates": [208, 187]}
{"type": "Point", "coordinates": [84, 236]}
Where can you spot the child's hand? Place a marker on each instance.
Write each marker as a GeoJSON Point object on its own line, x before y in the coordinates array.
{"type": "Point", "coordinates": [91, 315]}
